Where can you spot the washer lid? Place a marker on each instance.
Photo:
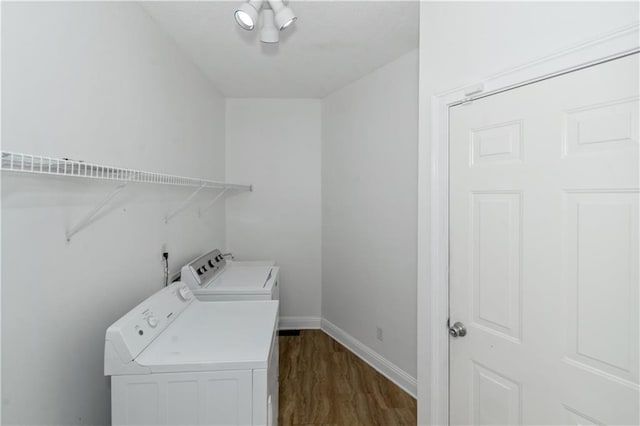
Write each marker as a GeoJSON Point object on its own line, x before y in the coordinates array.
{"type": "Point", "coordinates": [244, 278]}
{"type": "Point", "coordinates": [211, 336]}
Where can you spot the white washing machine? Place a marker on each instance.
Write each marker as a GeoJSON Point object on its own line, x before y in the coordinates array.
{"type": "Point", "coordinates": [212, 278]}
{"type": "Point", "coordinates": [174, 360]}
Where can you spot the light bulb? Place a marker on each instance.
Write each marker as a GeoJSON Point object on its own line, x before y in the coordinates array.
{"type": "Point", "coordinates": [246, 14]}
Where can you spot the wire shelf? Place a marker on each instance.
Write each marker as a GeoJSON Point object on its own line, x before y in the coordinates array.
{"type": "Point", "coordinates": [37, 164]}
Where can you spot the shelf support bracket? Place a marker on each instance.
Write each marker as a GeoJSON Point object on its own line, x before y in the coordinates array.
{"type": "Point", "coordinates": [184, 204]}
{"type": "Point", "coordinates": [216, 198]}
{"type": "Point", "coordinates": [90, 217]}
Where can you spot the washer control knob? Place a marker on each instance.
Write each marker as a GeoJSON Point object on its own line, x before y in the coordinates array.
{"type": "Point", "coordinates": [184, 294]}
{"type": "Point", "coordinates": [152, 321]}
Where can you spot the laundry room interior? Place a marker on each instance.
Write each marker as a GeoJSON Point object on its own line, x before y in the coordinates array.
{"type": "Point", "coordinates": [295, 156]}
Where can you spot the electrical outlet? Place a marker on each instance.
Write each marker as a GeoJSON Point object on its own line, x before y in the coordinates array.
{"type": "Point", "coordinates": [379, 333]}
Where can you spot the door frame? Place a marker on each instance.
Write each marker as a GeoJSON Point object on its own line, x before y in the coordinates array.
{"type": "Point", "coordinates": [433, 239]}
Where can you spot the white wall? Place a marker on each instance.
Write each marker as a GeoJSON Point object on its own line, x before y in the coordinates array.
{"type": "Point", "coordinates": [369, 210]}
{"type": "Point", "coordinates": [98, 82]}
{"type": "Point", "coordinates": [275, 144]}
{"type": "Point", "coordinates": [463, 42]}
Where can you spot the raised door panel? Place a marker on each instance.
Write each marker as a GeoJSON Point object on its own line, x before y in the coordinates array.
{"type": "Point", "coordinates": [496, 143]}
{"type": "Point", "coordinates": [608, 126]}
{"type": "Point", "coordinates": [496, 398]}
{"type": "Point", "coordinates": [602, 281]}
{"type": "Point", "coordinates": [495, 258]}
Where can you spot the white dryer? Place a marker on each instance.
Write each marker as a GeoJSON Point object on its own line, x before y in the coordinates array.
{"type": "Point", "coordinates": [174, 360]}
{"type": "Point", "coordinates": [212, 278]}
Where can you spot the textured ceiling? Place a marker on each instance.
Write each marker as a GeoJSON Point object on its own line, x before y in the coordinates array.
{"type": "Point", "coordinates": [331, 44]}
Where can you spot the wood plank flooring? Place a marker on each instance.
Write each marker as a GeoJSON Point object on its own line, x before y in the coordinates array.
{"type": "Point", "coordinates": [323, 383]}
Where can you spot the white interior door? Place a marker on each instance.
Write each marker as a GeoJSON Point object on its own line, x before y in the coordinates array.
{"type": "Point", "coordinates": [544, 251]}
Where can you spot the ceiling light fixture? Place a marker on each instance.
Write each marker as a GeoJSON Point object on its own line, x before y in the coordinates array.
{"type": "Point", "coordinates": [269, 33]}
{"type": "Point", "coordinates": [247, 14]}
{"type": "Point", "coordinates": [284, 16]}
{"type": "Point", "coordinates": [276, 16]}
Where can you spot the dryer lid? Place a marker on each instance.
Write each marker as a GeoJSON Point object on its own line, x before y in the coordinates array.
{"type": "Point", "coordinates": [215, 336]}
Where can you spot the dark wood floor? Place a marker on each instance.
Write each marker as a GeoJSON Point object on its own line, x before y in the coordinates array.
{"type": "Point", "coordinates": [322, 383]}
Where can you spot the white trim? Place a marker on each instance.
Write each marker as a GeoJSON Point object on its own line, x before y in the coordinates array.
{"type": "Point", "coordinates": [438, 285]}
{"type": "Point", "coordinates": [371, 357]}
{"type": "Point", "coordinates": [607, 46]}
{"type": "Point", "coordinates": [434, 285]}
{"type": "Point", "coordinates": [299, 323]}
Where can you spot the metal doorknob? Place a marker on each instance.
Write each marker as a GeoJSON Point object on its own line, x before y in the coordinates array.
{"type": "Point", "coordinates": [458, 330]}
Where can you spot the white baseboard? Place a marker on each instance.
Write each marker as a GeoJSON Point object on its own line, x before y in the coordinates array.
{"type": "Point", "coordinates": [371, 357]}
{"type": "Point", "coordinates": [299, 323]}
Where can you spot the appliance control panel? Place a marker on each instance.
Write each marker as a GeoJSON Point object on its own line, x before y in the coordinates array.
{"type": "Point", "coordinates": [138, 328]}
{"type": "Point", "coordinates": [202, 270]}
